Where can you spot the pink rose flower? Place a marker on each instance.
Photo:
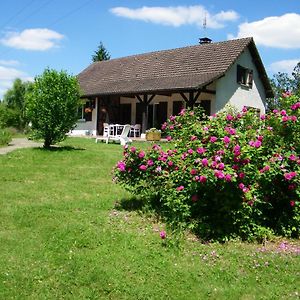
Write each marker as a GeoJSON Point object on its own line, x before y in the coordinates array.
{"type": "Point", "coordinates": [221, 166]}
{"type": "Point", "coordinates": [226, 140]}
{"type": "Point", "coordinates": [143, 167]}
{"type": "Point", "coordinates": [229, 117]}
{"type": "Point", "coordinates": [132, 149]}
{"type": "Point", "coordinates": [202, 179]}
{"type": "Point", "coordinates": [193, 172]}
{"type": "Point", "coordinates": [150, 162]}
{"type": "Point", "coordinates": [290, 176]}
{"type": "Point", "coordinates": [283, 112]}
{"type": "Point", "coordinates": [121, 166]}
{"type": "Point", "coordinates": [293, 118]}
{"type": "Point", "coordinates": [257, 144]}
{"type": "Point", "coordinates": [170, 163]}
{"type": "Point", "coordinates": [213, 139]}
{"type": "Point", "coordinates": [228, 177]}
{"type": "Point", "coordinates": [141, 154]}
{"type": "Point", "coordinates": [292, 203]}
{"type": "Point", "coordinates": [180, 188]}
{"type": "Point", "coordinates": [193, 138]}
{"type": "Point", "coordinates": [204, 162]}
{"type": "Point", "coordinates": [163, 234]}
{"type": "Point", "coordinates": [201, 150]}
{"type": "Point", "coordinates": [169, 138]}
{"type": "Point", "coordinates": [219, 174]}
{"type": "Point", "coordinates": [190, 151]}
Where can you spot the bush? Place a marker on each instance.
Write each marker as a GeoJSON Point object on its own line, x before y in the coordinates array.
{"type": "Point", "coordinates": [229, 175]}
{"type": "Point", "coordinates": [52, 105]}
{"type": "Point", "coordinates": [10, 117]}
{"type": "Point", "coordinates": [5, 137]}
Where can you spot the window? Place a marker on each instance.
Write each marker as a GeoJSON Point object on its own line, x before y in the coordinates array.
{"type": "Point", "coordinates": [255, 109]}
{"type": "Point", "coordinates": [244, 76]}
{"type": "Point", "coordinates": [85, 111]}
{"type": "Point", "coordinates": [206, 105]}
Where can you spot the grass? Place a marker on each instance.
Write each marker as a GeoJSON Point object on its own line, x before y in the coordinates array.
{"type": "Point", "coordinates": [61, 237]}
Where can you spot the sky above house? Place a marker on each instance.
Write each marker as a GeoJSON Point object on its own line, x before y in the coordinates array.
{"type": "Point", "coordinates": [63, 34]}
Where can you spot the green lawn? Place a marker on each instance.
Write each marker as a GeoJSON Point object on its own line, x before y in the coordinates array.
{"type": "Point", "coordinates": [62, 238]}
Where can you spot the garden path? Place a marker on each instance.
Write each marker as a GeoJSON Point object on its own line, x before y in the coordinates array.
{"type": "Point", "coordinates": [18, 143]}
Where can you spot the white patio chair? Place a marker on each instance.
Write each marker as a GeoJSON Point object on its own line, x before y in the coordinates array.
{"type": "Point", "coordinates": [122, 138]}
{"type": "Point", "coordinates": [135, 130]}
{"type": "Point", "coordinates": [105, 129]}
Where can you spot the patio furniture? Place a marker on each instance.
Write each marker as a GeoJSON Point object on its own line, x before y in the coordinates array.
{"type": "Point", "coordinates": [105, 129]}
{"type": "Point", "coordinates": [114, 134]}
{"type": "Point", "coordinates": [135, 130]}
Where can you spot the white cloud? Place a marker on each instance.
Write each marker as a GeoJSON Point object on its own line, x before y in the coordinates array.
{"type": "Point", "coordinates": [8, 75]}
{"type": "Point", "coordinates": [177, 15]}
{"type": "Point", "coordinates": [284, 66]}
{"type": "Point", "coordinates": [38, 39]}
{"type": "Point", "coordinates": [278, 32]}
{"type": "Point", "coordinates": [10, 62]}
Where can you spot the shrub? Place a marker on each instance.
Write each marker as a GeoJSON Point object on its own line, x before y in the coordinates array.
{"type": "Point", "coordinates": [5, 137]}
{"type": "Point", "coordinates": [52, 105]}
{"type": "Point", "coordinates": [9, 117]}
{"type": "Point", "coordinates": [229, 175]}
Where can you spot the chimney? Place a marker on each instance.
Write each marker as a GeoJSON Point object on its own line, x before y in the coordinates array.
{"type": "Point", "coordinates": [205, 40]}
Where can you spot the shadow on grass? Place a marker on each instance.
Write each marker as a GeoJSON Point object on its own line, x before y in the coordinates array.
{"type": "Point", "coordinates": [130, 204]}
{"type": "Point", "coordinates": [60, 148]}
{"type": "Point", "coordinates": [148, 206]}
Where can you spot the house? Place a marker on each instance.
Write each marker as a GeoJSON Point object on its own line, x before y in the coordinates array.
{"type": "Point", "coordinates": [147, 88]}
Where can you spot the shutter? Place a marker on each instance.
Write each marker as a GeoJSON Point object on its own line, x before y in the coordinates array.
{"type": "Point", "coordinates": [250, 78]}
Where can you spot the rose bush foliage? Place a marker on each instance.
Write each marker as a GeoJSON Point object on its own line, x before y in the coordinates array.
{"type": "Point", "coordinates": [225, 176]}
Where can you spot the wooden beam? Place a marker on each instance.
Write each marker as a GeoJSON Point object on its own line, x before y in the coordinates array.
{"type": "Point", "coordinates": [184, 97]}
{"type": "Point", "coordinates": [145, 114]}
{"type": "Point", "coordinates": [139, 98]}
{"type": "Point", "coordinates": [150, 99]}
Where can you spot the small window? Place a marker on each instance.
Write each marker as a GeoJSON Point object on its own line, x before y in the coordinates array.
{"type": "Point", "coordinates": [244, 76]}
{"type": "Point", "coordinates": [85, 111]}
{"type": "Point", "coordinates": [255, 109]}
{"type": "Point", "coordinates": [206, 105]}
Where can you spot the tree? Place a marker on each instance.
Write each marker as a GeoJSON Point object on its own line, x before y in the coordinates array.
{"type": "Point", "coordinates": [52, 105]}
{"type": "Point", "coordinates": [14, 100]}
{"type": "Point", "coordinates": [281, 83]}
{"type": "Point", "coordinates": [100, 54]}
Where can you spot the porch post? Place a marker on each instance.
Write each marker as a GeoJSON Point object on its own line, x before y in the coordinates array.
{"type": "Point", "coordinates": [145, 115]}
{"type": "Point", "coordinates": [96, 120]}
{"type": "Point", "coordinates": [145, 103]}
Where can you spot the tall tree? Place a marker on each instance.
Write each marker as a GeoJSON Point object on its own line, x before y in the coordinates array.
{"type": "Point", "coordinates": [15, 96]}
{"type": "Point", "coordinates": [283, 82]}
{"type": "Point", "coordinates": [52, 106]}
{"type": "Point", "coordinates": [14, 100]}
{"type": "Point", "coordinates": [100, 54]}
{"type": "Point", "coordinates": [296, 79]}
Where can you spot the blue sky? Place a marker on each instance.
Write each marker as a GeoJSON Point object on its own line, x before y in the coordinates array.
{"type": "Point", "coordinates": [63, 34]}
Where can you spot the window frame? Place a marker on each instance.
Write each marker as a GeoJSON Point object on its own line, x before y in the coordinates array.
{"type": "Point", "coordinates": [244, 76]}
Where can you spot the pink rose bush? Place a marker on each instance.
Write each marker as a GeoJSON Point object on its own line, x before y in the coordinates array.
{"type": "Point", "coordinates": [224, 176]}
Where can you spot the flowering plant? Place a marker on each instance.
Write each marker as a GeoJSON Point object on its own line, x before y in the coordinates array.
{"type": "Point", "coordinates": [228, 175]}
{"type": "Point", "coordinates": [153, 130]}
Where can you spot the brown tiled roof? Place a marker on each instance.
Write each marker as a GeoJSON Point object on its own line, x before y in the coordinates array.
{"type": "Point", "coordinates": [168, 70]}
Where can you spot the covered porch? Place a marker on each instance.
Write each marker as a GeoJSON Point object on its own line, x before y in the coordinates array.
{"type": "Point", "coordinates": [146, 109]}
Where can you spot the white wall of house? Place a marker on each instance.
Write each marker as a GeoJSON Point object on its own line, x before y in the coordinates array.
{"type": "Point", "coordinates": [229, 91]}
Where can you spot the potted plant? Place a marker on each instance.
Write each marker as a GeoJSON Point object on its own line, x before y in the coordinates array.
{"type": "Point", "coordinates": [153, 134]}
